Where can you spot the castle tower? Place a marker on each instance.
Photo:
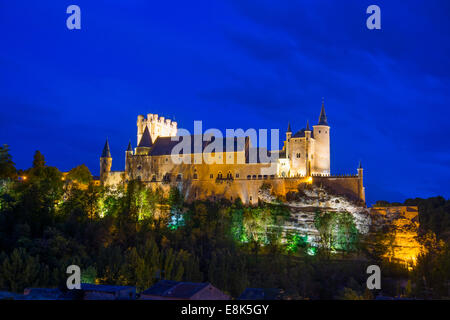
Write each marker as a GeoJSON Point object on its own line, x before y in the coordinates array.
{"type": "Point", "coordinates": [157, 126]}
{"type": "Point", "coordinates": [105, 162]}
{"type": "Point", "coordinates": [288, 137]}
{"type": "Point", "coordinates": [322, 144]}
{"type": "Point", "coordinates": [361, 189]}
{"type": "Point", "coordinates": [288, 132]}
{"type": "Point", "coordinates": [128, 155]}
{"type": "Point", "coordinates": [141, 123]}
{"type": "Point", "coordinates": [308, 150]}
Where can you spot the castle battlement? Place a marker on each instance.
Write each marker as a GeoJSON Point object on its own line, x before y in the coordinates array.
{"type": "Point", "coordinates": [158, 126]}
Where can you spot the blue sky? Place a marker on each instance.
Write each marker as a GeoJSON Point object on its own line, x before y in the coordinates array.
{"type": "Point", "coordinates": [233, 64]}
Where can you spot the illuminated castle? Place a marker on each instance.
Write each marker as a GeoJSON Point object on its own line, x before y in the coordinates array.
{"type": "Point", "coordinates": [206, 173]}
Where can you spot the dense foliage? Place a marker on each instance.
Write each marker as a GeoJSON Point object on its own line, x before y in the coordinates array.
{"type": "Point", "coordinates": [134, 235]}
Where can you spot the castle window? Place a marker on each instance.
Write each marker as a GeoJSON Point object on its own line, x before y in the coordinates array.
{"type": "Point", "coordinates": [179, 177]}
{"type": "Point", "coordinates": [319, 131]}
{"type": "Point", "coordinates": [259, 176]}
{"type": "Point", "coordinates": [272, 176]}
{"type": "Point", "coordinates": [167, 159]}
{"type": "Point", "coordinates": [153, 178]}
{"type": "Point", "coordinates": [265, 176]}
{"type": "Point", "coordinates": [254, 177]}
{"type": "Point", "coordinates": [237, 175]}
{"type": "Point", "coordinates": [251, 198]}
{"type": "Point", "coordinates": [195, 176]}
{"type": "Point", "coordinates": [249, 177]}
{"type": "Point", "coordinates": [229, 175]}
{"type": "Point", "coordinates": [139, 167]}
{"type": "Point", "coordinates": [211, 176]}
{"type": "Point", "coordinates": [219, 175]}
{"type": "Point", "coordinates": [298, 155]}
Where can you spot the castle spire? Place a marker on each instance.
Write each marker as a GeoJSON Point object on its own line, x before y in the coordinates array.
{"type": "Point", "coordinates": [106, 152]}
{"type": "Point", "coordinates": [307, 125]}
{"type": "Point", "coordinates": [129, 146]}
{"type": "Point", "coordinates": [360, 165]}
{"type": "Point", "coordinates": [323, 117]}
{"type": "Point", "coordinates": [289, 127]}
{"type": "Point", "coordinates": [146, 140]}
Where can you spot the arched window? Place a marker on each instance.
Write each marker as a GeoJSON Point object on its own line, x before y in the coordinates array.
{"type": "Point", "coordinates": [219, 175]}
{"type": "Point", "coordinates": [195, 174]}
{"type": "Point", "coordinates": [229, 175]}
{"type": "Point", "coordinates": [298, 155]}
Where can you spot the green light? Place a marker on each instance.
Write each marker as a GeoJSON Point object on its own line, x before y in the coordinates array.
{"type": "Point", "coordinates": [311, 251]}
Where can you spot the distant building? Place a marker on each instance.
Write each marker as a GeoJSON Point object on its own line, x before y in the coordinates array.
{"type": "Point", "coordinates": [176, 290]}
{"type": "Point", "coordinates": [261, 294]}
{"type": "Point", "coordinates": [107, 292]}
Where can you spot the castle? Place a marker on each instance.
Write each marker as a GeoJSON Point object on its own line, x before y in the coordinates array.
{"type": "Point", "coordinates": [229, 167]}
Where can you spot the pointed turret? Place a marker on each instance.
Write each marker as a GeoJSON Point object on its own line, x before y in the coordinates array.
{"type": "Point", "coordinates": [105, 163]}
{"type": "Point", "coordinates": [323, 117]}
{"type": "Point", "coordinates": [129, 147]}
{"type": "Point", "coordinates": [106, 152]}
{"type": "Point", "coordinates": [289, 127]}
{"type": "Point", "coordinates": [360, 165]}
{"type": "Point", "coordinates": [307, 126]}
{"type": "Point", "coordinates": [146, 140]}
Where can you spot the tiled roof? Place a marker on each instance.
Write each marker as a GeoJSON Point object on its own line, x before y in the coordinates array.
{"type": "Point", "coordinates": [164, 145]}
{"type": "Point", "coordinates": [301, 134]}
{"type": "Point", "coordinates": [260, 294]}
{"type": "Point", "coordinates": [175, 289]}
{"type": "Point", "coordinates": [103, 288]}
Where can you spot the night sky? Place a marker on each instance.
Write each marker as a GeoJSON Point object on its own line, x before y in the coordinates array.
{"type": "Point", "coordinates": [233, 64]}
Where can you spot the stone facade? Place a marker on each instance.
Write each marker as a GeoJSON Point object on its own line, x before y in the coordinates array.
{"type": "Point", "coordinates": [239, 171]}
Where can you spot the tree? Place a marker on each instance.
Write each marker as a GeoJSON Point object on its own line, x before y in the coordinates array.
{"type": "Point", "coordinates": [38, 160]}
{"type": "Point", "coordinates": [7, 167]}
{"type": "Point", "coordinates": [80, 174]}
{"type": "Point", "coordinates": [20, 270]}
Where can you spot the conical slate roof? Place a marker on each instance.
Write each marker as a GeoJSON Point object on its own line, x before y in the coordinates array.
{"type": "Point", "coordinates": [289, 127]}
{"type": "Point", "coordinates": [146, 140]}
{"type": "Point", "coordinates": [307, 126]}
{"type": "Point", "coordinates": [106, 153]}
{"type": "Point", "coordinates": [323, 117]}
{"type": "Point", "coordinates": [129, 146]}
